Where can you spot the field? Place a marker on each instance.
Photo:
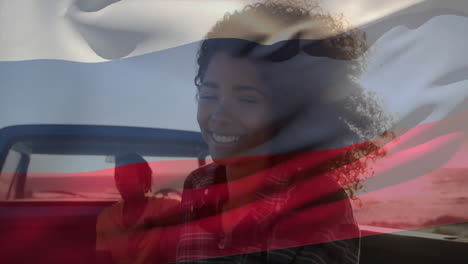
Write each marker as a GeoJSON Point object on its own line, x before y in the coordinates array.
{"type": "Point", "coordinates": [436, 202]}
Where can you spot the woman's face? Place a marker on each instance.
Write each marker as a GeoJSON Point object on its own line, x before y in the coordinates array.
{"type": "Point", "coordinates": [234, 109]}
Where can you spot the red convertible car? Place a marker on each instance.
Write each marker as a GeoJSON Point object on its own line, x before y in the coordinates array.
{"type": "Point", "coordinates": [55, 180]}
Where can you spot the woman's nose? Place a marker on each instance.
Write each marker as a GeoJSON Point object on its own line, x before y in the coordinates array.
{"type": "Point", "coordinates": [223, 113]}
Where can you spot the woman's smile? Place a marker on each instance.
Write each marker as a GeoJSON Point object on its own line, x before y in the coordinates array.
{"type": "Point", "coordinates": [224, 139]}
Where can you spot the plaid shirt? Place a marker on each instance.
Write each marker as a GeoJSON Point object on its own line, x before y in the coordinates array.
{"type": "Point", "coordinates": [197, 243]}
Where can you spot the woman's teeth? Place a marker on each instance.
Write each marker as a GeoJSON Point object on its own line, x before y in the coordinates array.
{"type": "Point", "coordinates": [225, 139]}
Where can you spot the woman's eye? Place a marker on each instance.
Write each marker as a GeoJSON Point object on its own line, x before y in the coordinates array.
{"type": "Point", "coordinates": [207, 97]}
{"type": "Point", "coordinates": [248, 100]}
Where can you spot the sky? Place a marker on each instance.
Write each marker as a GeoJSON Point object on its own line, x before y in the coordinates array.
{"type": "Point", "coordinates": [56, 62]}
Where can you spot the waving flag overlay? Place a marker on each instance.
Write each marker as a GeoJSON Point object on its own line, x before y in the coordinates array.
{"type": "Point", "coordinates": [132, 63]}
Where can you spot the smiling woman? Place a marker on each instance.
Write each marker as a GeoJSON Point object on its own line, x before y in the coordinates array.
{"type": "Point", "coordinates": [286, 125]}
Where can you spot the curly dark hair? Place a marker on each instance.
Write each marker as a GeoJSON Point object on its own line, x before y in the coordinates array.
{"type": "Point", "coordinates": [344, 42]}
{"type": "Point", "coordinates": [362, 117]}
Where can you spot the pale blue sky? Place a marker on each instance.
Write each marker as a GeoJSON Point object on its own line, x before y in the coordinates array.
{"type": "Point", "coordinates": [157, 90]}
